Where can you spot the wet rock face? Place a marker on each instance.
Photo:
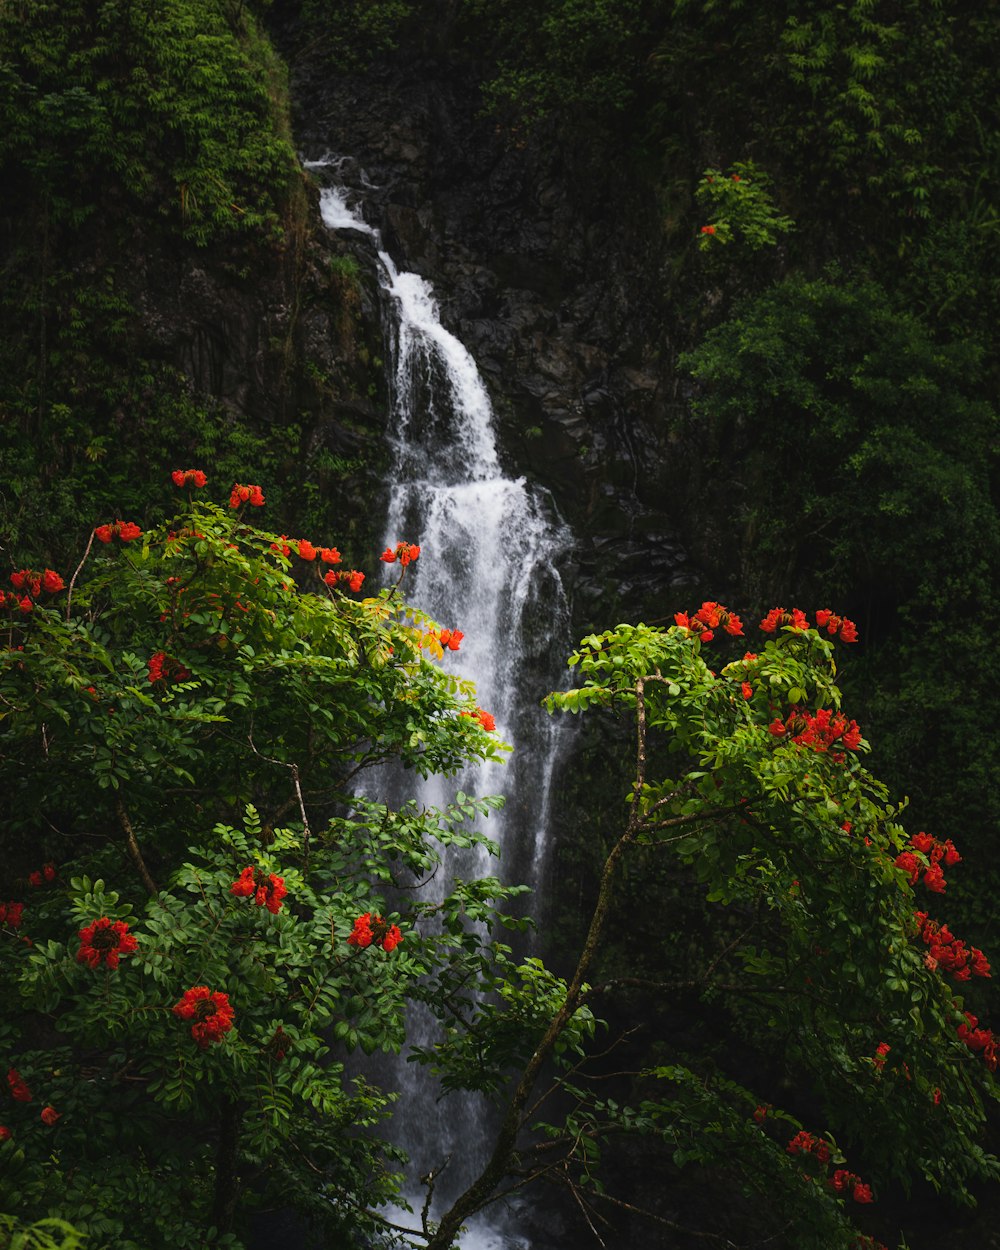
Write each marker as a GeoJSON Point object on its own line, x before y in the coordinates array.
{"type": "Point", "coordinates": [542, 263]}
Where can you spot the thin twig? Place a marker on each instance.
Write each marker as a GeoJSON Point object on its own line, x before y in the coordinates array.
{"type": "Point", "coordinates": [76, 574]}
{"type": "Point", "coordinates": [294, 768]}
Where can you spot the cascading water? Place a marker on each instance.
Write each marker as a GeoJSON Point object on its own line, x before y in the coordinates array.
{"type": "Point", "coordinates": [490, 546]}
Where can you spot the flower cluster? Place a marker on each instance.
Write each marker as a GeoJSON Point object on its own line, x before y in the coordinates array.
{"type": "Point", "coordinates": [163, 667]}
{"type": "Point", "coordinates": [836, 626]}
{"type": "Point", "coordinates": [210, 1011]}
{"type": "Point", "coordinates": [42, 876]}
{"type": "Point", "coordinates": [352, 579]}
{"type": "Point", "coordinates": [403, 552]}
{"type": "Point", "coordinates": [105, 941]}
{"type": "Point", "coordinates": [125, 530]}
{"type": "Point", "coordinates": [15, 603]}
{"type": "Point", "coordinates": [975, 1038]}
{"type": "Point", "coordinates": [189, 477]}
{"type": "Point", "coordinates": [933, 853]}
{"type": "Point", "coordinates": [779, 618]}
{"type": "Point", "coordinates": [29, 586]}
{"type": "Point", "coordinates": [948, 952]}
{"type": "Point", "coordinates": [820, 731]}
{"type": "Point", "coordinates": [19, 1090]}
{"type": "Point", "coordinates": [373, 930]}
{"type": "Point", "coordinates": [842, 1181]}
{"type": "Point", "coordinates": [49, 1115]}
{"type": "Point", "coordinates": [241, 494]}
{"type": "Point", "coordinates": [804, 1143]}
{"type": "Point", "coordinates": [483, 717]}
{"type": "Point", "coordinates": [881, 1050]}
{"type": "Point", "coordinates": [11, 914]}
{"type": "Point", "coordinates": [265, 888]}
{"type": "Point", "coordinates": [450, 638]}
{"type": "Point", "coordinates": [709, 617]}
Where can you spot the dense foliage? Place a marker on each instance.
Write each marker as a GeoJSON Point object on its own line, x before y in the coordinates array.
{"type": "Point", "coordinates": [148, 175]}
{"type": "Point", "coordinates": [823, 178]}
{"type": "Point", "coordinates": [205, 914]}
{"type": "Point", "coordinates": [182, 733]}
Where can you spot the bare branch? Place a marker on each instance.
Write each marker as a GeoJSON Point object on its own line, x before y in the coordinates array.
{"type": "Point", "coordinates": [133, 848]}
{"type": "Point", "coordinates": [76, 573]}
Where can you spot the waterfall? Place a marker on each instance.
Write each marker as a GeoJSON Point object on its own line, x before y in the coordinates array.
{"type": "Point", "coordinates": [490, 547]}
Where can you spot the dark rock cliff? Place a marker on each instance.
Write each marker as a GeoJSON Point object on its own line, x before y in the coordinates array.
{"type": "Point", "coordinates": [544, 260]}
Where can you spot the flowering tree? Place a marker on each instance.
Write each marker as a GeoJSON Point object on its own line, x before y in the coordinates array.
{"type": "Point", "coordinates": [203, 916]}
{"type": "Point", "coordinates": [200, 918]}
{"type": "Point", "coordinates": [751, 778]}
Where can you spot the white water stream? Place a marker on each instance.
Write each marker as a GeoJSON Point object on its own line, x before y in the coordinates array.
{"type": "Point", "coordinates": [490, 546]}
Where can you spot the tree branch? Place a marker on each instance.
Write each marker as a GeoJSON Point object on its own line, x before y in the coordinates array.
{"type": "Point", "coordinates": [133, 848]}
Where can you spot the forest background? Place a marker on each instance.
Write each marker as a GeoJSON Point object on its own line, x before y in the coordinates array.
{"type": "Point", "coordinates": [816, 184]}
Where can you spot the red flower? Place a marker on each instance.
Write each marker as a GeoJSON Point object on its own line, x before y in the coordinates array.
{"type": "Point", "coordinates": [189, 477]}
{"type": "Point", "coordinates": [125, 530]}
{"type": "Point", "coordinates": [241, 494]}
{"type": "Point", "coordinates": [370, 929]}
{"type": "Point", "coordinates": [353, 579]}
{"type": "Point", "coordinates": [211, 1013]}
{"type": "Point", "coordinates": [801, 1143]}
{"type": "Point", "coordinates": [105, 940]}
{"type": "Point", "coordinates": [836, 624]}
{"type": "Point", "coordinates": [484, 718]}
{"type": "Point", "coordinates": [779, 618]}
{"type": "Point", "coordinates": [747, 690]}
{"type": "Point", "coordinates": [18, 1089]}
{"type": "Point", "coordinates": [306, 550]}
{"type": "Point", "coordinates": [27, 580]}
{"type": "Point", "coordinates": [908, 863]}
{"type": "Point", "coordinates": [49, 1115]}
{"type": "Point", "coordinates": [361, 934]}
{"type": "Point", "coordinates": [11, 914]}
{"type": "Point", "coordinates": [709, 617]}
{"type": "Point", "coordinates": [403, 552]}
{"type": "Point", "coordinates": [708, 230]}
{"type": "Point", "coordinates": [32, 584]}
{"type": "Point", "coordinates": [5, 1133]}
{"type": "Point", "coordinates": [760, 1115]}
{"type": "Point", "coordinates": [267, 889]}
{"type": "Point", "coordinates": [162, 667]}
{"type": "Point", "coordinates": [451, 638]}
{"type": "Point", "coordinates": [934, 879]}
{"type": "Point", "coordinates": [282, 546]}
{"type": "Point", "coordinates": [330, 555]}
